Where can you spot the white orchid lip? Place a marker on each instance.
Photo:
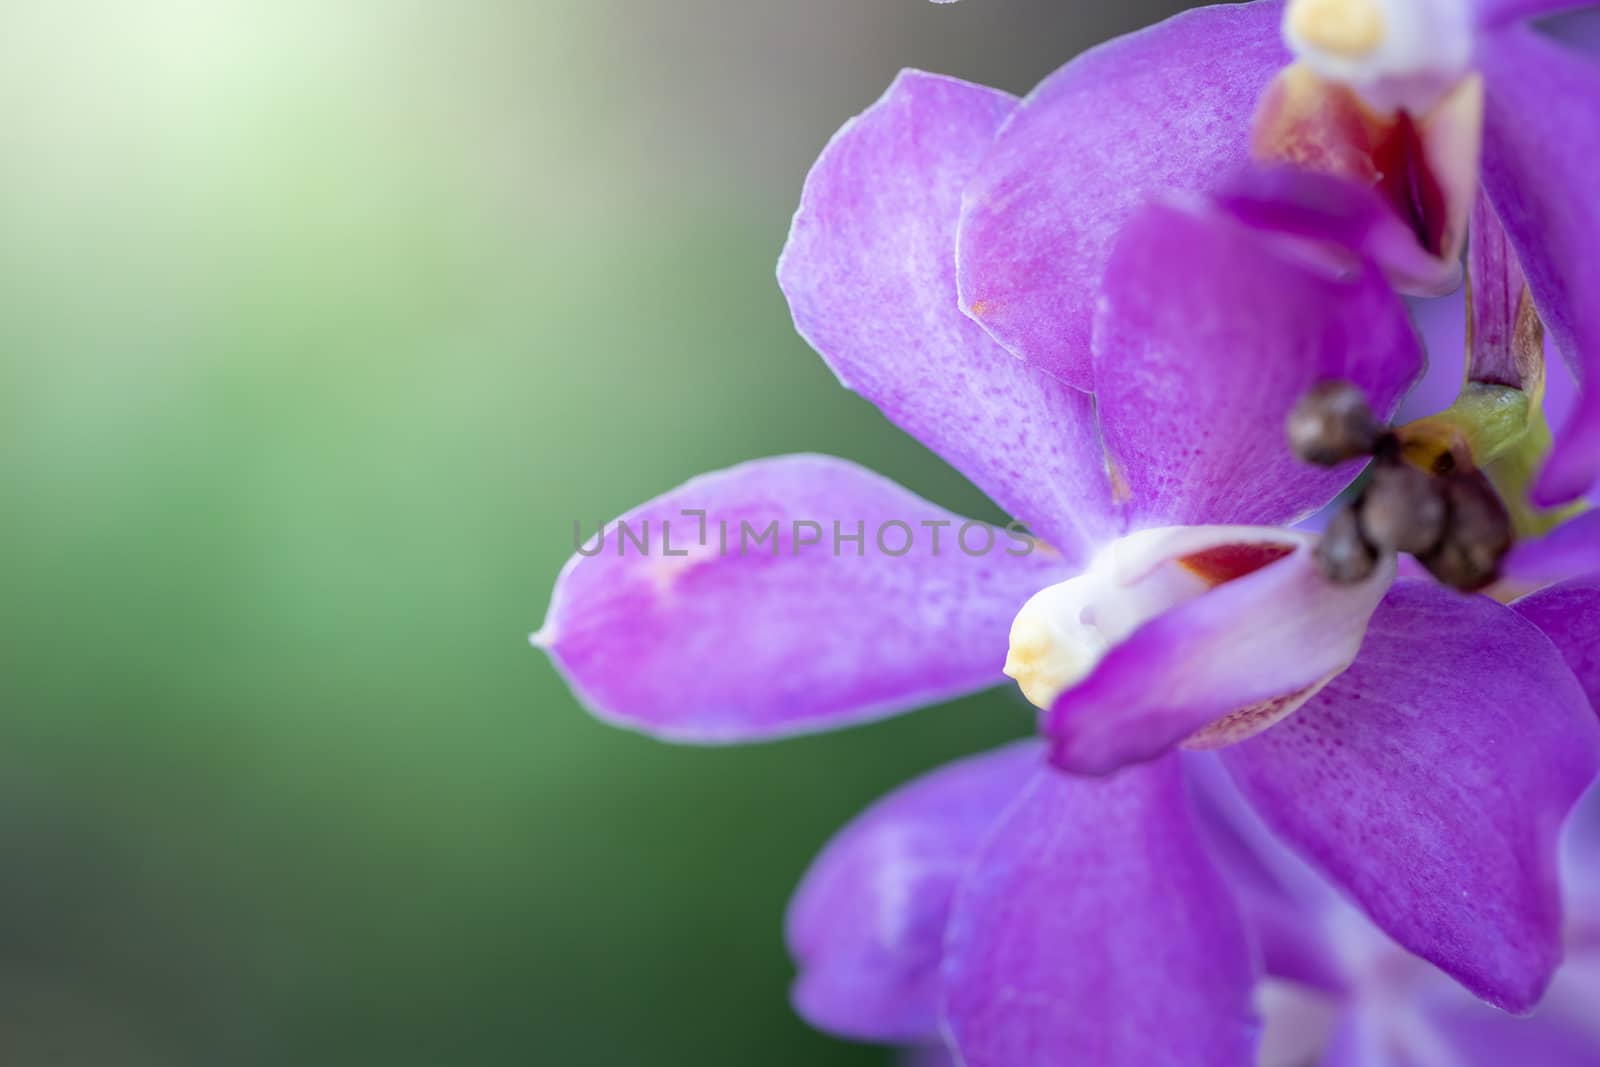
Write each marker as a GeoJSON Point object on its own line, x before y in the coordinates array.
{"type": "Point", "coordinates": [1397, 54]}
{"type": "Point", "coordinates": [1064, 630]}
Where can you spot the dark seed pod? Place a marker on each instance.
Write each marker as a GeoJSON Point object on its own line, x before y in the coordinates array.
{"type": "Point", "coordinates": [1331, 423]}
{"type": "Point", "coordinates": [1403, 509]}
{"type": "Point", "coordinates": [1343, 553]}
{"type": "Point", "coordinates": [1477, 536]}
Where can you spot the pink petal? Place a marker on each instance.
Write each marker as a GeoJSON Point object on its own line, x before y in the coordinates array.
{"type": "Point", "coordinates": [1096, 930]}
{"type": "Point", "coordinates": [1430, 782]}
{"type": "Point", "coordinates": [1167, 108]}
{"type": "Point", "coordinates": [869, 271]}
{"type": "Point", "coordinates": [778, 635]}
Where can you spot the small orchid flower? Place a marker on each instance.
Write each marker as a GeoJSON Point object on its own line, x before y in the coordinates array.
{"type": "Point", "coordinates": [1418, 748]}
{"type": "Point", "coordinates": [1414, 98]}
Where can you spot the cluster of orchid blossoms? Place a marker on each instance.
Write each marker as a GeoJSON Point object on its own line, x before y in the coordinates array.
{"type": "Point", "coordinates": [1316, 688]}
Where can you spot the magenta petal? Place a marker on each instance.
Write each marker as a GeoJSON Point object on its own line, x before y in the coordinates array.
{"type": "Point", "coordinates": [1208, 333]}
{"type": "Point", "coordinates": [1357, 1042]}
{"type": "Point", "coordinates": [1497, 305]}
{"type": "Point", "coordinates": [869, 271]}
{"type": "Point", "coordinates": [1430, 781]}
{"type": "Point", "coordinates": [1574, 463]}
{"type": "Point", "coordinates": [1285, 904]}
{"type": "Point", "coordinates": [1580, 28]}
{"type": "Point", "coordinates": [1443, 325]}
{"type": "Point", "coordinates": [1269, 635]}
{"type": "Point", "coordinates": [1580, 876]}
{"type": "Point", "coordinates": [1569, 614]}
{"type": "Point", "coordinates": [1168, 108]}
{"type": "Point", "coordinates": [1431, 1023]}
{"type": "Point", "coordinates": [1476, 1035]}
{"type": "Point", "coordinates": [1541, 138]}
{"type": "Point", "coordinates": [1492, 13]}
{"type": "Point", "coordinates": [866, 927]}
{"type": "Point", "coordinates": [1095, 930]}
{"type": "Point", "coordinates": [1573, 548]}
{"type": "Point", "coordinates": [1321, 207]}
{"type": "Point", "coordinates": [777, 635]}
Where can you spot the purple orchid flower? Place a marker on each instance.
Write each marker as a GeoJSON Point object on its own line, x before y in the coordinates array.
{"type": "Point", "coordinates": [1040, 917]}
{"type": "Point", "coordinates": [1397, 94]}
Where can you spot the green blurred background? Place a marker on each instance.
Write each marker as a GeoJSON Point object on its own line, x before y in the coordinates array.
{"type": "Point", "coordinates": [320, 323]}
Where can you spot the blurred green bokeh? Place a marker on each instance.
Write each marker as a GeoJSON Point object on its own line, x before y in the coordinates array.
{"type": "Point", "coordinates": [320, 324]}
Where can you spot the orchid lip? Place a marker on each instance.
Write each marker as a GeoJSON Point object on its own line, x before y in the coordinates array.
{"type": "Point", "coordinates": [1218, 660]}
{"type": "Point", "coordinates": [1063, 631]}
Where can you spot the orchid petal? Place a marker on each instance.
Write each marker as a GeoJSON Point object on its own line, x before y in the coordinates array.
{"type": "Point", "coordinates": [768, 624]}
{"type": "Point", "coordinates": [869, 271]}
{"type": "Point", "coordinates": [1363, 1039]}
{"type": "Point", "coordinates": [1571, 549]}
{"type": "Point", "coordinates": [1167, 108]}
{"type": "Point", "coordinates": [866, 927]}
{"type": "Point", "coordinates": [1096, 930]}
{"type": "Point", "coordinates": [1494, 13]}
{"type": "Point", "coordinates": [1478, 1036]}
{"type": "Point", "coordinates": [1538, 164]}
{"type": "Point", "coordinates": [1430, 780]}
{"type": "Point", "coordinates": [1580, 876]}
{"type": "Point", "coordinates": [1285, 904]}
{"type": "Point", "coordinates": [1579, 26]}
{"type": "Point", "coordinates": [1321, 207]}
{"type": "Point", "coordinates": [1443, 326]}
{"type": "Point", "coordinates": [1574, 463]}
{"type": "Point", "coordinates": [1209, 331]}
{"type": "Point", "coordinates": [1431, 1022]}
{"type": "Point", "coordinates": [1505, 335]}
{"type": "Point", "coordinates": [1569, 614]}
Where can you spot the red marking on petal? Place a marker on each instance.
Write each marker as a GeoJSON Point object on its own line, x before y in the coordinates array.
{"type": "Point", "coordinates": [1250, 720]}
{"type": "Point", "coordinates": [1224, 563]}
{"type": "Point", "coordinates": [1408, 183]}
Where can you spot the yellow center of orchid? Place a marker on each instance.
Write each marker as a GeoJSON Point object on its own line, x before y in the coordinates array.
{"type": "Point", "coordinates": [1051, 648]}
{"type": "Point", "coordinates": [1349, 28]}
